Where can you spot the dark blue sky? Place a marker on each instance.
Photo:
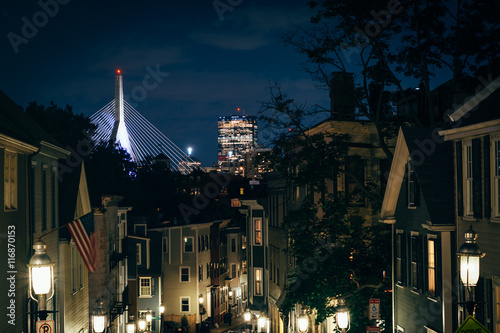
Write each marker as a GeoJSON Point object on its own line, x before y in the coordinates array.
{"type": "Point", "coordinates": [217, 61]}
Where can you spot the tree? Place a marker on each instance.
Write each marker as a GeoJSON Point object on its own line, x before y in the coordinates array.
{"type": "Point", "coordinates": [66, 127]}
{"type": "Point", "coordinates": [387, 44]}
{"type": "Point", "coordinates": [337, 253]}
{"type": "Point", "coordinates": [110, 170]}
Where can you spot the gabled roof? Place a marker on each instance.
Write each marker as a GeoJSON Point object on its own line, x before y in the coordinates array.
{"type": "Point", "coordinates": [433, 161]}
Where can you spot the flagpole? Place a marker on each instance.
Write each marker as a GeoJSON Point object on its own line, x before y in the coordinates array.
{"type": "Point", "coordinates": [51, 231]}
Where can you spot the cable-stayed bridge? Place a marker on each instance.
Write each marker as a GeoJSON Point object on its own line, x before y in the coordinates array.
{"type": "Point", "coordinates": [118, 121]}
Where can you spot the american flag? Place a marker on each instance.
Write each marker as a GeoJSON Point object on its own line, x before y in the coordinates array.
{"type": "Point", "coordinates": [82, 232]}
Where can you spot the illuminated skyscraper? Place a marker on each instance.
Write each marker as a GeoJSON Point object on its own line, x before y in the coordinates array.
{"type": "Point", "coordinates": [237, 136]}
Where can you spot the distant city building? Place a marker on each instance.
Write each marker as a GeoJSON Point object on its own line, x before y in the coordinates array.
{"type": "Point", "coordinates": [237, 135]}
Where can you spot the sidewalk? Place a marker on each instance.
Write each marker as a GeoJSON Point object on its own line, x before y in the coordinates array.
{"type": "Point", "coordinates": [236, 324]}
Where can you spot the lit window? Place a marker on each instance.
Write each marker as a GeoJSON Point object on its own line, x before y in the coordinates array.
{"type": "Point", "coordinates": [145, 287]}
{"type": "Point", "coordinates": [258, 281]}
{"type": "Point", "coordinates": [431, 266]}
{"type": "Point", "coordinates": [184, 304]}
{"type": "Point", "coordinates": [184, 274]}
{"type": "Point", "coordinates": [10, 180]}
{"type": "Point", "coordinates": [258, 231]}
{"type": "Point", "coordinates": [188, 244]}
{"type": "Point", "coordinates": [468, 195]}
{"type": "Point", "coordinates": [496, 177]}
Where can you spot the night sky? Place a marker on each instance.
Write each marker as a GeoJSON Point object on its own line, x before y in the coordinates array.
{"type": "Point", "coordinates": [216, 61]}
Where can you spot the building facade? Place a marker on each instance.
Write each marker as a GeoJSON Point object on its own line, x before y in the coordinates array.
{"type": "Point", "coordinates": [237, 135]}
{"type": "Point", "coordinates": [475, 134]}
{"type": "Point", "coordinates": [419, 206]}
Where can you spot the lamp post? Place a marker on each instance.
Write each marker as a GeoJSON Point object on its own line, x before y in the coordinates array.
{"type": "Point", "coordinates": [342, 317]}
{"type": "Point", "coordinates": [131, 325]}
{"type": "Point", "coordinates": [99, 317]}
{"type": "Point", "coordinates": [161, 309]}
{"type": "Point", "coordinates": [142, 323]}
{"type": "Point", "coordinates": [303, 322]}
{"type": "Point", "coordinates": [41, 278]}
{"type": "Point", "coordinates": [149, 319]}
{"type": "Point", "coordinates": [247, 316]}
{"type": "Point", "coordinates": [261, 322]}
{"type": "Point", "coordinates": [469, 255]}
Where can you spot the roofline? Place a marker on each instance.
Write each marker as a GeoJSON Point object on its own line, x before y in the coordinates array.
{"type": "Point", "coordinates": [471, 130]}
{"type": "Point", "coordinates": [18, 144]}
{"type": "Point", "coordinates": [475, 100]}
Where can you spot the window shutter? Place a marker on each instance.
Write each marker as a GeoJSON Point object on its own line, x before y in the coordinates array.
{"type": "Point", "coordinates": [487, 198]}
{"type": "Point", "coordinates": [476, 178]}
{"type": "Point", "coordinates": [489, 304]}
{"type": "Point", "coordinates": [460, 179]}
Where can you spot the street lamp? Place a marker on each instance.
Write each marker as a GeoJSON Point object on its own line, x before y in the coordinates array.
{"type": "Point", "coordinates": [303, 322]}
{"type": "Point", "coordinates": [142, 323]}
{"type": "Point", "coordinates": [41, 277]}
{"type": "Point", "coordinates": [99, 317]}
{"type": "Point", "coordinates": [342, 317]}
{"type": "Point", "coordinates": [161, 309]}
{"type": "Point", "coordinates": [470, 254]}
{"type": "Point", "coordinates": [261, 322]}
{"type": "Point", "coordinates": [149, 319]}
{"type": "Point", "coordinates": [247, 315]}
{"type": "Point", "coordinates": [131, 325]}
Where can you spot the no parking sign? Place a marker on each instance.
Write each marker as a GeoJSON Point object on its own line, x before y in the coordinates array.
{"type": "Point", "coordinates": [45, 326]}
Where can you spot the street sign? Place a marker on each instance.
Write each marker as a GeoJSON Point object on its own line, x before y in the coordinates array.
{"type": "Point", "coordinates": [471, 324]}
{"type": "Point", "coordinates": [45, 326]}
{"type": "Point", "coordinates": [372, 329]}
{"type": "Point", "coordinates": [374, 309]}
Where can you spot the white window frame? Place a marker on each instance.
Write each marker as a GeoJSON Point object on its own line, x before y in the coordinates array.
{"type": "Point", "coordinates": [188, 299]}
{"type": "Point", "coordinates": [259, 286]}
{"type": "Point", "coordinates": [185, 243]}
{"type": "Point", "coordinates": [180, 274]}
{"type": "Point", "coordinates": [495, 177]}
{"type": "Point", "coordinates": [257, 221]}
{"type": "Point", "coordinates": [468, 189]}
{"type": "Point", "coordinates": [10, 180]}
{"type": "Point", "coordinates": [143, 292]}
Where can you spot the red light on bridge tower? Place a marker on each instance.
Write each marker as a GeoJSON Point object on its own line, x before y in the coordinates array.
{"type": "Point", "coordinates": [118, 72]}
